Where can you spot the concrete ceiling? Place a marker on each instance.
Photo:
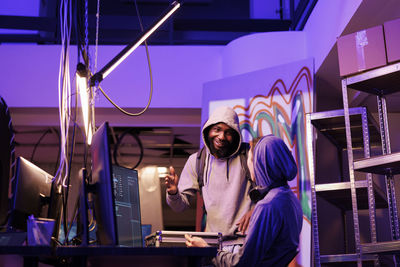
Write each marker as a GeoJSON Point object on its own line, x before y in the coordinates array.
{"type": "Point", "coordinates": [209, 22]}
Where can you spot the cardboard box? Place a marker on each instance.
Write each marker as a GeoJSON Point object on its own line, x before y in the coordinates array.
{"type": "Point", "coordinates": [392, 40]}
{"type": "Point", "coordinates": [362, 50]}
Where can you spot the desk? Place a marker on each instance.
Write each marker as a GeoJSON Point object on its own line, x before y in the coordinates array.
{"type": "Point", "coordinates": [107, 256]}
{"type": "Point", "coordinates": [23, 255]}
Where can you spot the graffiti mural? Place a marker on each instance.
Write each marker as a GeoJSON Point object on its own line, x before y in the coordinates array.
{"type": "Point", "coordinates": [281, 112]}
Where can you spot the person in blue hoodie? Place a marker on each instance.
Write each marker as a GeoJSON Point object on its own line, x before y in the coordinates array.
{"type": "Point", "coordinates": [276, 222]}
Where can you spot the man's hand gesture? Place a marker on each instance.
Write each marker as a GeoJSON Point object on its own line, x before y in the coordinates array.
{"type": "Point", "coordinates": [171, 181]}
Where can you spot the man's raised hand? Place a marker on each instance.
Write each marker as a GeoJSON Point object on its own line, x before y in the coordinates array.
{"type": "Point", "coordinates": [171, 181]}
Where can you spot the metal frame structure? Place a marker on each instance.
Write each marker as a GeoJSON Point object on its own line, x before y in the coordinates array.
{"type": "Point", "coordinates": [333, 125]}
{"type": "Point", "coordinates": [381, 82]}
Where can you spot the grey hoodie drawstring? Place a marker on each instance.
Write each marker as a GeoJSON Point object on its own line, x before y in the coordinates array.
{"type": "Point", "coordinates": [227, 170]}
{"type": "Point", "coordinates": [207, 164]}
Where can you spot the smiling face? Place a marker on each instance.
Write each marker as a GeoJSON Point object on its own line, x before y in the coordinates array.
{"type": "Point", "coordinates": [221, 137]}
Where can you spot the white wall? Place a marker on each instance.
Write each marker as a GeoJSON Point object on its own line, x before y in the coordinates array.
{"type": "Point", "coordinates": [262, 50]}
{"type": "Point", "coordinates": [325, 24]}
{"type": "Point", "coordinates": [29, 75]}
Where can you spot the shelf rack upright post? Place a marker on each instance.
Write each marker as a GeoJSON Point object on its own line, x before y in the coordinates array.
{"type": "Point", "coordinates": [380, 82]}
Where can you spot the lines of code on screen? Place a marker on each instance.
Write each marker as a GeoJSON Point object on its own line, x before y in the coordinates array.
{"type": "Point", "coordinates": [127, 206]}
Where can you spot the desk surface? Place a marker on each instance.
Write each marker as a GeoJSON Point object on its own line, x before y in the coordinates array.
{"type": "Point", "coordinates": [26, 250]}
{"type": "Point", "coordinates": [116, 256]}
{"type": "Point", "coordinates": [135, 251]}
{"type": "Point", "coordinates": [107, 250]}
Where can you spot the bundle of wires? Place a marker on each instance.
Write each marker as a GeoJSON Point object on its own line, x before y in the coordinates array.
{"type": "Point", "coordinates": [64, 90]}
{"type": "Point", "coordinates": [62, 175]}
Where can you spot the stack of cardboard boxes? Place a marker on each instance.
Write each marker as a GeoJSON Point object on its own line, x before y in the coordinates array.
{"type": "Point", "coordinates": [370, 48]}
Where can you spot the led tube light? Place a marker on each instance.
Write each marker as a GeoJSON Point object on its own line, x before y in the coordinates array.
{"type": "Point", "coordinates": [99, 76]}
{"type": "Point", "coordinates": [82, 85]}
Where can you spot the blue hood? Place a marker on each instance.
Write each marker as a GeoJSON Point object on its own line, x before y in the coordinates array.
{"type": "Point", "coordinates": [274, 164]}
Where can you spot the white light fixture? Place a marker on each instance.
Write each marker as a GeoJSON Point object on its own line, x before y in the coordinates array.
{"type": "Point", "coordinates": [99, 76]}
{"type": "Point", "coordinates": [162, 171]}
{"type": "Point", "coordinates": [84, 92]}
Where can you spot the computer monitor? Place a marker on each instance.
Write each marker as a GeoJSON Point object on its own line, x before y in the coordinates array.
{"type": "Point", "coordinates": [31, 194]}
{"type": "Point", "coordinates": [127, 206]}
{"type": "Point", "coordinates": [115, 194]}
{"type": "Point", "coordinates": [5, 160]}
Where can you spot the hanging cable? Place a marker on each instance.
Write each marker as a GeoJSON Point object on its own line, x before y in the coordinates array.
{"type": "Point", "coordinates": [59, 149]}
{"type": "Point", "coordinates": [38, 142]}
{"type": "Point", "coordinates": [64, 95]}
{"type": "Point", "coordinates": [97, 35]}
{"type": "Point", "coordinates": [64, 88]}
{"type": "Point", "coordinates": [86, 45]}
{"type": "Point", "coordinates": [83, 71]}
{"type": "Point", "coordinates": [117, 146]}
{"type": "Point", "coordinates": [150, 74]}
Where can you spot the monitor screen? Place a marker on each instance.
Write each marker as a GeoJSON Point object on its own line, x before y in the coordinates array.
{"type": "Point", "coordinates": [31, 193]}
{"type": "Point", "coordinates": [115, 196]}
{"type": "Point", "coordinates": [127, 206]}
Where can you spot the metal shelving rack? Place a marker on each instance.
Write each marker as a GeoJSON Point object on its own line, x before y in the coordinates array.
{"type": "Point", "coordinates": [343, 193]}
{"type": "Point", "coordinates": [380, 82]}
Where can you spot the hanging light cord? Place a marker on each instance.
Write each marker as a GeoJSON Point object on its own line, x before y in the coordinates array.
{"type": "Point", "coordinates": [97, 35]}
{"type": "Point", "coordinates": [64, 89]}
{"type": "Point", "coordinates": [150, 74]}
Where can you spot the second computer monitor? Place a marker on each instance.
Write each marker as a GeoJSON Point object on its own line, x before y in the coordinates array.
{"type": "Point", "coordinates": [115, 196]}
{"type": "Point", "coordinates": [127, 206]}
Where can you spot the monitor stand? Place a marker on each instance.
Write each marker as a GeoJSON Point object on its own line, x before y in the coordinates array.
{"type": "Point", "coordinates": [83, 200]}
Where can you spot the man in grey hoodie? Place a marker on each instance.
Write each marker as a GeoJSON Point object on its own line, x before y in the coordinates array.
{"type": "Point", "coordinates": [225, 189]}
